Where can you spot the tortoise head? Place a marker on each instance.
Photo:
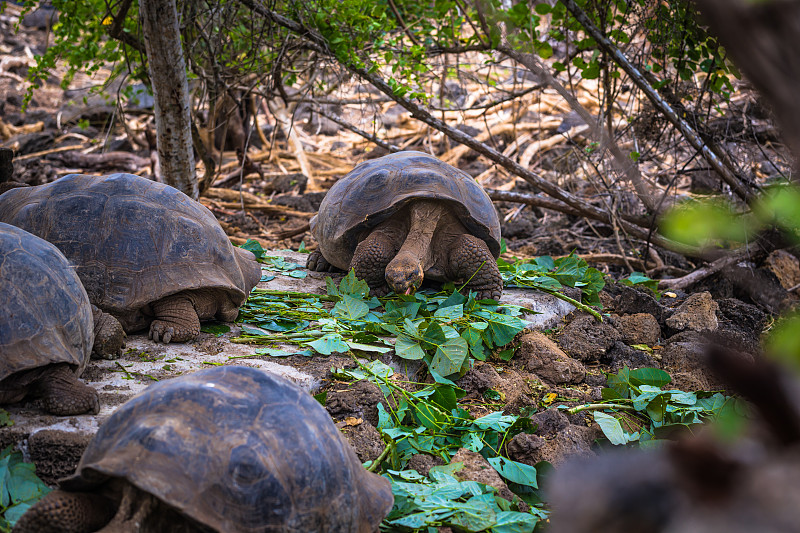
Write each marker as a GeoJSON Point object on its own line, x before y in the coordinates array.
{"type": "Point", "coordinates": [404, 274]}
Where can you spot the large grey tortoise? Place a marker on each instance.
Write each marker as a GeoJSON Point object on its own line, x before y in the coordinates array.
{"type": "Point", "coordinates": [408, 216]}
{"type": "Point", "coordinates": [46, 330]}
{"type": "Point", "coordinates": [146, 253]}
{"type": "Point", "coordinates": [229, 449]}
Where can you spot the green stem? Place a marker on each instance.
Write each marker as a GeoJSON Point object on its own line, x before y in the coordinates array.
{"type": "Point", "coordinates": [376, 463]}
{"type": "Point", "coordinates": [576, 303]}
{"type": "Point", "coordinates": [599, 407]}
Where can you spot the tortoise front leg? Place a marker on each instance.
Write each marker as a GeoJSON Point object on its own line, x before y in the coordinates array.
{"type": "Point", "coordinates": [64, 394]}
{"type": "Point", "coordinates": [66, 512]}
{"type": "Point", "coordinates": [370, 260]}
{"type": "Point", "coordinates": [109, 337]}
{"type": "Point", "coordinates": [470, 259]}
{"type": "Point", "coordinates": [176, 319]}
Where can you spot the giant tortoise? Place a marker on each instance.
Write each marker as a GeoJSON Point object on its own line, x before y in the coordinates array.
{"type": "Point", "coordinates": [146, 253]}
{"type": "Point", "coordinates": [229, 449]}
{"type": "Point", "coordinates": [47, 328]}
{"type": "Point", "coordinates": [408, 216]}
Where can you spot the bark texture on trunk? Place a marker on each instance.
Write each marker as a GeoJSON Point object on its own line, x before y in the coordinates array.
{"type": "Point", "coordinates": [162, 40]}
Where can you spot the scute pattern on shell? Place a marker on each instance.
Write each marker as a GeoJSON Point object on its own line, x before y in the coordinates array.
{"type": "Point", "coordinates": [374, 190]}
{"type": "Point", "coordinates": [237, 449]}
{"type": "Point", "coordinates": [135, 241]}
{"type": "Point", "coordinates": [46, 316]}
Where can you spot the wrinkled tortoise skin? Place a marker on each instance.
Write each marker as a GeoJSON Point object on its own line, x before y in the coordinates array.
{"type": "Point", "coordinates": [46, 316]}
{"type": "Point", "coordinates": [374, 190]}
{"type": "Point", "coordinates": [133, 241]}
{"type": "Point", "coordinates": [237, 450]}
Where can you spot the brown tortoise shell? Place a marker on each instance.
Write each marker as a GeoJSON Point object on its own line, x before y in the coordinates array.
{"type": "Point", "coordinates": [374, 190]}
{"type": "Point", "coordinates": [238, 450]}
{"type": "Point", "coordinates": [46, 316]}
{"type": "Point", "coordinates": [133, 241]}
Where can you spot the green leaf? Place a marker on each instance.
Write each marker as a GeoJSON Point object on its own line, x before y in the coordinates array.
{"type": "Point", "coordinates": [350, 308]}
{"type": "Point", "coordinates": [611, 428]}
{"type": "Point", "coordinates": [408, 348]}
{"type": "Point", "coordinates": [513, 471]}
{"type": "Point", "coordinates": [653, 377]}
{"type": "Point", "coordinates": [330, 343]}
{"type": "Point", "coordinates": [254, 246]}
{"type": "Point", "coordinates": [453, 312]}
{"type": "Point", "coordinates": [368, 347]}
{"type": "Point", "coordinates": [353, 286]}
{"type": "Point", "coordinates": [449, 356]}
{"type": "Point", "coordinates": [514, 521]}
{"type": "Point", "coordinates": [215, 329]}
{"type": "Point", "coordinates": [322, 397]}
{"type": "Point", "coordinates": [5, 419]}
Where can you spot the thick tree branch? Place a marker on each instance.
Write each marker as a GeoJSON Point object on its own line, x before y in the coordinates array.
{"type": "Point", "coordinates": [737, 183]}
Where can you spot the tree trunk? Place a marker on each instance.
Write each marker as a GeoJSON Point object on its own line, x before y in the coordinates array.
{"type": "Point", "coordinates": [162, 40]}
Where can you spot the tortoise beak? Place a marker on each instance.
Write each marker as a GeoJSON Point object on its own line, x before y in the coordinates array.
{"type": "Point", "coordinates": [410, 290]}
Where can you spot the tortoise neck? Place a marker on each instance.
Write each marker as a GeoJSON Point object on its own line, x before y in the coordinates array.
{"type": "Point", "coordinates": [423, 219]}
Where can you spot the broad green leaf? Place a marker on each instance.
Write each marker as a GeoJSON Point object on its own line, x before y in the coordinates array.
{"type": "Point", "coordinates": [408, 348]}
{"type": "Point", "coordinates": [514, 521]}
{"type": "Point", "coordinates": [649, 376]}
{"type": "Point", "coordinates": [333, 342]}
{"type": "Point", "coordinates": [513, 471]}
{"type": "Point", "coordinates": [368, 347]}
{"type": "Point", "coordinates": [254, 246]}
{"type": "Point", "coordinates": [449, 356]}
{"type": "Point", "coordinates": [215, 329]}
{"type": "Point", "coordinates": [611, 428]}
{"type": "Point", "coordinates": [453, 312]}
{"type": "Point", "coordinates": [353, 286]}
{"type": "Point", "coordinates": [350, 308]}
{"type": "Point", "coordinates": [474, 515]}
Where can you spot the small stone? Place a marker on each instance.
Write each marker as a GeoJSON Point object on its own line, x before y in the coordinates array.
{"type": "Point", "coordinates": [786, 268]}
{"type": "Point", "coordinates": [641, 328]}
{"type": "Point", "coordinates": [697, 313]}
{"type": "Point", "coordinates": [544, 358]}
{"type": "Point", "coordinates": [587, 339]}
{"type": "Point", "coordinates": [476, 468]}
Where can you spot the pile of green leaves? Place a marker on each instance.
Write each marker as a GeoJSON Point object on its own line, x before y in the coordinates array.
{"type": "Point", "coordinates": [274, 263]}
{"type": "Point", "coordinates": [444, 330]}
{"type": "Point", "coordinates": [429, 420]}
{"type": "Point", "coordinates": [551, 275]}
{"type": "Point", "coordinates": [19, 488]}
{"type": "Point", "coordinates": [657, 414]}
{"type": "Point", "coordinates": [423, 503]}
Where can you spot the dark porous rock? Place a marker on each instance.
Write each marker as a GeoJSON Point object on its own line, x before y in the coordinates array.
{"type": "Point", "coordinates": [479, 379]}
{"type": "Point", "coordinates": [639, 328]}
{"type": "Point", "coordinates": [571, 441]}
{"type": "Point", "coordinates": [631, 300]}
{"type": "Point", "coordinates": [621, 355]}
{"type": "Point", "coordinates": [540, 355]}
{"type": "Point", "coordinates": [760, 285]}
{"type": "Point", "coordinates": [360, 400]}
{"type": "Point", "coordinates": [285, 183]}
{"type": "Point", "coordinates": [587, 339]}
{"type": "Point", "coordinates": [697, 313]}
{"type": "Point", "coordinates": [684, 357]}
{"type": "Point", "coordinates": [744, 316]}
{"type": "Point", "coordinates": [422, 463]}
{"type": "Point", "coordinates": [365, 440]}
{"type": "Point", "coordinates": [476, 468]}
{"type": "Point", "coordinates": [549, 422]}
{"type": "Point", "coordinates": [518, 228]}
